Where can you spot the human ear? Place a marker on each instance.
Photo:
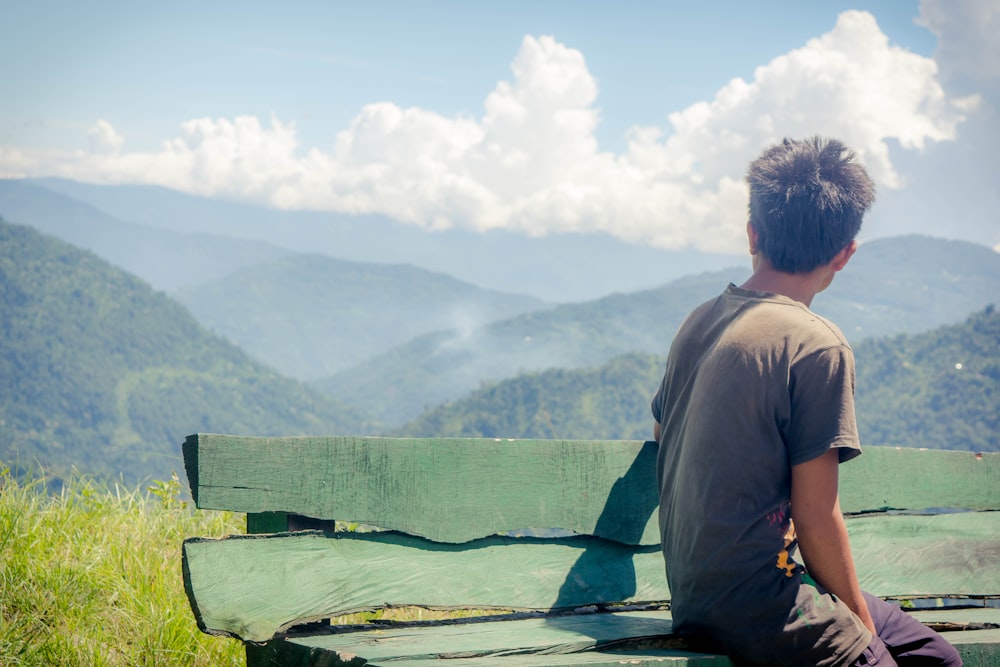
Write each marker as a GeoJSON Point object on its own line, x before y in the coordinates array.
{"type": "Point", "coordinates": [752, 238]}
{"type": "Point", "coordinates": [841, 258]}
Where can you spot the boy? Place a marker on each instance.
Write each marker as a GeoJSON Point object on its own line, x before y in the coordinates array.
{"type": "Point", "coordinates": [754, 414]}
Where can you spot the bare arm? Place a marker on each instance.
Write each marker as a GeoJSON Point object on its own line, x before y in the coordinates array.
{"type": "Point", "coordinates": [656, 431]}
{"type": "Point", "coordinates": [822, 534]}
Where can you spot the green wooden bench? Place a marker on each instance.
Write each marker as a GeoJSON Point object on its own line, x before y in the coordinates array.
{"type": "Point", "coordinates": [545, 552]}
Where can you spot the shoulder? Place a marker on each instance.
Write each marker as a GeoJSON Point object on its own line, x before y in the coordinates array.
{"type": "Point", "coordinates": [810, 329]}
{"type": "Point", "coordinates": [828, 329]}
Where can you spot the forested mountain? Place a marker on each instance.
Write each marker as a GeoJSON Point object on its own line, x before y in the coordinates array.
{"type": "Point", "coordinates": [100, 372]}
{"type": "Point", "coordinates": [310, 316]}
{"type": "Point", "coordinates": [610, 402]}
{"type": "Point", "coordinates": [402, 383]}
{"type": "Point", "coordinates": [165, 259]}
{"type": "Point", "coordinates": [939, 389]}
{"type": "Point", "coordinates": [899, 285]}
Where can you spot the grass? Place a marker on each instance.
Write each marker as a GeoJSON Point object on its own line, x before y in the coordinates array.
{"type": "Point", "coordinates": [91, 575]}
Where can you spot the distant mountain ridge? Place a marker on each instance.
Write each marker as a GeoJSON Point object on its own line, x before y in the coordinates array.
{"type": "Point", "coordinates": [165, 259]}
{"type": "Point", "coordinates": [899, 285]}
{"type": "Point", "coordinates": [557, 268]}
{"type": "Point", "coordinates": [305, 315]}
{"type": "Point", "coordinates": [910, 284]}
{"type": "Point", "coordinates": [938, 389]}
{"type": "Point", "coordinates": [309, 316]}
{"type": "Point", "coordinates": [400, 384]}
{"type": "Point", "coordinates": [100, 372]}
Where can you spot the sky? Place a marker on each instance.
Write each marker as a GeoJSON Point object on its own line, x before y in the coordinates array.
{"type": "Point", "coordinates": [636, 119]}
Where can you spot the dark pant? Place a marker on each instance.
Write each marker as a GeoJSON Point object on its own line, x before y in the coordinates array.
{"type": "Point", "coordinates": [902, 640]}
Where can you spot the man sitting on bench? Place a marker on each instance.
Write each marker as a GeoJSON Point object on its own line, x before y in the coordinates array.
{"type": "Point", "coordinates": [753, 417]}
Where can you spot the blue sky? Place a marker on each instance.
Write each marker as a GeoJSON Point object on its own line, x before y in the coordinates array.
{"type": "Point", "coordinates": [633, 118]}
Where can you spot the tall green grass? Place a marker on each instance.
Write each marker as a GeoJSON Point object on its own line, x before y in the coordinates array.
{"type": "Point", "coordinates": [91, 575]}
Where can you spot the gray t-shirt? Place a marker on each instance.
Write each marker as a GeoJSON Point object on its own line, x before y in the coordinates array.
{"type": "Point", "coordinates": [755, 383]}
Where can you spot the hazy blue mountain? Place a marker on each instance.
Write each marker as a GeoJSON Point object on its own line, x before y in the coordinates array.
{"type": "Point", "coordinates": [900, 285]}
{"type": "Point", "coordinates": [400, 384]}
{"type": "Point", "coordinates": [557, 268]}
{"type": "Point", "coordinates": [163, 258]}
{"type": "Point", "coordinates": [100, 372]}
{"type": "Point", "coordinates": [938, 389]}
{"type": "Point", "coordinates": [310, 316]}
{"type": "Point", "coordinates": [910, 284]}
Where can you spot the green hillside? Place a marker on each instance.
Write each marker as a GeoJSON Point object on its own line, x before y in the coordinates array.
{"type": "Point", "coordinates": [610, 402]}
{"type": "Point", "coordinates": [900, 285]}
{"type": "Point", "coordinates": [399, 385]}
{"type": "Point", "coordinates": [910, 393]}
{"type": "Point", "coordinates": [940, 389]}
{"type": "Point", "coordinates": [310, 316]}
{"type": "Point", "coordinates": [100, 372]}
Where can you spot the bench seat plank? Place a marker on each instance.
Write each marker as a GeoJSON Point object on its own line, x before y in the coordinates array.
{"type": "Point", "coordinates": [984, 616]}
{"type": "Point", "coordinates": [648, 658]}
{"type": "Point", "coordinates": [255, 586]}
{"type": "Point", "coordinates": [633, 638]}
{"type": "Point", "coordinates": [569, 640]}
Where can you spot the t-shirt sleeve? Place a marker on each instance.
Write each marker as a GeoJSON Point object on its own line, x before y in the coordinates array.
{"type": "Point", "coordinates": [656, 407]}
{"type": "Point", "coordinates": [822, 406]}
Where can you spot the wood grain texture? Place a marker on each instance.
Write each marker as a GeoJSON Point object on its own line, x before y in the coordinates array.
{"type": "Point", "coordinates": [255, 586]}
{"type": "Point", "coordinates": [930, 556]}
{"type": "Point", "coordinates": [448, 490]}
{"type": "Point", "coordinates": [456, 490]}
{"type": "Point", "coordinates": [918, 479]}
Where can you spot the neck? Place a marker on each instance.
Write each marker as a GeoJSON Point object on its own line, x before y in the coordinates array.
{"type": "Point", "coordinates": [801, 287]}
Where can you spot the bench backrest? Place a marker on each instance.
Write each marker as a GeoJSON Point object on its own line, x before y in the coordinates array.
{"type": "Point", "coordinates": [449, 490]}
{"type": "Point", "coordinates": [524, 525]}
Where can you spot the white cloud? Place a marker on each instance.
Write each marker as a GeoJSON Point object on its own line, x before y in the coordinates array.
{"type": "Point", "coordinates": [968, 49]}
{"type": "Point", "coordinates": [531, 162]}
{"type": "Point", "coordinates": [104, 139]}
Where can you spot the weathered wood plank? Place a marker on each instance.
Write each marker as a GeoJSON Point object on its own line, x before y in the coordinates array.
{"type": "Point", "coordinates": [986, 616]}
{"type": "Point", "coordinates": [254, 586]}
{"type": "Point", "coordinates": [930, 556]}
{"type": "Point", "coordinates": [455, 490]}
{"type": "Point", "coordinates": [647, 658]}
{"type": "Point", "coordinates": [548, 641]}
{"type": "Point", "coordinates": [918, 479]}
{"type": "Point", "coordinates": [632, 638]}
{"type": "Point", "coordinates": [448, 490]}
